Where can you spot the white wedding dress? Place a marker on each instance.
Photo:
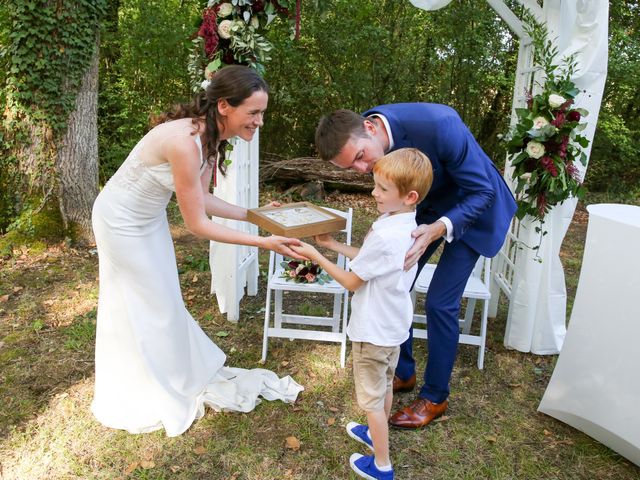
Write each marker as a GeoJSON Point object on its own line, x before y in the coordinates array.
{"type": "Point", "coordinates": [155, 367]}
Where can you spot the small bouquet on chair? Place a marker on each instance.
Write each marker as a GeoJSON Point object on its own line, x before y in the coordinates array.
{"type": "Point", "coordinates": [304, 271]}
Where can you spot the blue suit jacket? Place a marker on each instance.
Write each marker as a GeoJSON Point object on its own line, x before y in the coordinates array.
{"type": "Point", "coordinates": [467, 187]}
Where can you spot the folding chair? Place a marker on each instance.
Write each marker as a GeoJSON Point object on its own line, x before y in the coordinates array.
{"type": "Point", "coordinates": [316, 326]}
{"type": "Point", "coordinates": [477, 288]}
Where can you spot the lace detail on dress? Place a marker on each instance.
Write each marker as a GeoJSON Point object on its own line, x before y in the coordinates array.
{"type": "Point", "coordinates": [129, 173]}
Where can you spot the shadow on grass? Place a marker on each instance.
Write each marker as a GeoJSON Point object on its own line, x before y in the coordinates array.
{"type": "Point", "coordinates": [492, 429]}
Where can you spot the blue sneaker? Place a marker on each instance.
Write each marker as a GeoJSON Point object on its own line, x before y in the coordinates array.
{"type": "Point", "coordinates": [366, 468]}
{"type": "Point", "coordinates": [359, 433]}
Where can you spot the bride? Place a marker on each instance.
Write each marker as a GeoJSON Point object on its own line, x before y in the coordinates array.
{"type": "Point", "coordinates": [155, 367]}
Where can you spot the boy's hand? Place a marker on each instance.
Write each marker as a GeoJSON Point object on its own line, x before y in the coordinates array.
{"type": "Point", "coordinates": [325, 240]}
{"type": "Point", "coordinates": [306, 250]}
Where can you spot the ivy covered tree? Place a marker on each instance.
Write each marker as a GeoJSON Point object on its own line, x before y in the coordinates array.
{"type": "Point", "coordinates": [49, 130]}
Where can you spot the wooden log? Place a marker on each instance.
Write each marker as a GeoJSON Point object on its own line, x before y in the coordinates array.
{"type": "Point", "coordinates": [287, 172]}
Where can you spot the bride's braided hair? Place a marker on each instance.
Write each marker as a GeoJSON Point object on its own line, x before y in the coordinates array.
{"type": "Point", "coordinates": [234, 84]}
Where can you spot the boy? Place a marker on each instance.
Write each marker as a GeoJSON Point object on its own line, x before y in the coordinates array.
{"type": "Point", "coordinates": [381, 307]}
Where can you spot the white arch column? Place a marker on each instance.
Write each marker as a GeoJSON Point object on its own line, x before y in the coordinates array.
{"type": "Point", "coordinates": [536, 320]}
{"type": "Point", "coordinates": [234, 267]}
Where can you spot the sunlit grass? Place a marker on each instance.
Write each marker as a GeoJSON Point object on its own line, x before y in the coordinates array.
{"type": "Point", "coordinates": [492, 429]}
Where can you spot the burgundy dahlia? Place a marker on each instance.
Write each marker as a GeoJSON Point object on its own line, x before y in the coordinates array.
{"type": "Point", "coordinates": [228, 57]}
{"type": "Point", "coordinates": [573, 116]}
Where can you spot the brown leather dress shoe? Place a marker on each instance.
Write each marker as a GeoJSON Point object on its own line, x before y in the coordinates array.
{"type": "Point", "coordinates": [407, 385]}
{"type": "Point", "coordinates": [420, 413]}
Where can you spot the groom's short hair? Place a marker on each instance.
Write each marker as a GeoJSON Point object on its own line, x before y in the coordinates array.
{"type": "Point", "coordinates": [335, 130]}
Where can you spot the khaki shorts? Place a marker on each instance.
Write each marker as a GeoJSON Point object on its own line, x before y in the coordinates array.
{"type": "Point", "coordinates": [373, 370]}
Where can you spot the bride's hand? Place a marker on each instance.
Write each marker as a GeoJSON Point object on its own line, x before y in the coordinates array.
{"type": "Point", "coordinates": [281, 245]}
{"type": "Point", "coordinates": [273, 203]}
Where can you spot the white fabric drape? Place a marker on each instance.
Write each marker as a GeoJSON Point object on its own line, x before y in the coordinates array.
{"type": "Point", "coordinates": [537, 313]}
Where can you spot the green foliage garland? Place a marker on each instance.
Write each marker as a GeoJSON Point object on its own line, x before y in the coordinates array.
{"type": "Point", "coordinates": [232, 32]}
{"type": "Point", "coordinates": [546, 143]}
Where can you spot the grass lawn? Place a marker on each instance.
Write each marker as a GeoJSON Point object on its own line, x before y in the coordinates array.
{"type": "Point", "coordinates": [492, 430]}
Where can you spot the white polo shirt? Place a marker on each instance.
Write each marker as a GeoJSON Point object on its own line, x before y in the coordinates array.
{"type": "Point", "coordinates": [381, 309]}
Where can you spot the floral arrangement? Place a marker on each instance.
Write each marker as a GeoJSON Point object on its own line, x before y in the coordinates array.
{"type": "Point", "coordinates": [304, 271]}
{"type": "Point", "coordinates": [232, 32]}
{"type": "Point", "coordinates": [546, 143]}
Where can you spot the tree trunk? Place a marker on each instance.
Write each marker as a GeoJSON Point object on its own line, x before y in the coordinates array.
{"type": "Point", "coordinates": [287, 172]}
{"type": "Point", "coordinates": [77, 160]}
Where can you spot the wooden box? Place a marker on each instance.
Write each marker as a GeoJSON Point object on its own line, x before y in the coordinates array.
{"type": "Point", "coordinates": [297, 220]}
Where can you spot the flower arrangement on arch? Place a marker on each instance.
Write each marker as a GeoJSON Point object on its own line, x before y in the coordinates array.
{"type": "Point", "coordinates": [304, 271]}
{"type": "Point", "coordinates": [545, 143]}
{"type": "Point", "coordinates": [232, 32]}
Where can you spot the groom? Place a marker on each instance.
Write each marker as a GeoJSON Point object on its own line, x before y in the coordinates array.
{"type": "Point", "coordinates": [469, 206]}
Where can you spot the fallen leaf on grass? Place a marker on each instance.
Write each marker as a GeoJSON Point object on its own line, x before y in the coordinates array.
{"type": "Point", "coordinates": [130, 468]}
{"type": "Point", "coordinates": [443, 418]}
{"type": "Point", "coordinates": [491, 439]}
{"type": "Point", "coordinates": [199, 450]}
{"type": "Point", "coordinates": [293, 443]}
{"type": "Point", "coordinates": [17, 289]}
{"type": "Point", "coordinates": [174, 468]}
{"type": "Point", "coordinates": [565, 442]}
{"type": "Point", "coordinates": [547, 432]}
{"type": "Point", "coordinates": [195, 279]}
{"type": "Point", "coordinates": [331, 421]}
{"type": "Point", "coordinates": [514, 385]}
{"type": "Point", "coordinates": [284, 363]}
{"type": "Point", "coordinates": [222, 333]}
{"type": "Point", "coordinates": [333, 409]}
{"type": "Point", "coordinates": [147, 464]}
{"type": "Point", "coordinates": [4, 298]}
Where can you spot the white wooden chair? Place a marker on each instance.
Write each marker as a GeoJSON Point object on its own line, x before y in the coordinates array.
{"type": "Point", "coordinates": [321, 328]}
{"type": "Point", "coordinates": [477, 288]}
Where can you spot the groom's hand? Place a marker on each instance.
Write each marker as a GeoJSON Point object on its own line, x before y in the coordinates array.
{"type": "Point", "coordinates": [425, 235]}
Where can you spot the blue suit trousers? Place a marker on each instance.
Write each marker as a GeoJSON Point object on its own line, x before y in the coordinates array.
{"type": "Point", "coordinates": [442, 307]}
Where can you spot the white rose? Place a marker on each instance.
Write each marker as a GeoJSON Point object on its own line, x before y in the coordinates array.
{"type": "Point", "coordinates": [556, 100]}
{"type": "Point", "coordinates": [540, 122]}
{"type": "Point", "coordinates": [205, 84]}
{"type": "Point", "coordinates": [535, 149]}
{"type": "Point", "coordinates": [255, 23]}
{"type": "Point", "coordinates": [224, 29]}
{"type": "Point", "coordinates": [224, 10]}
